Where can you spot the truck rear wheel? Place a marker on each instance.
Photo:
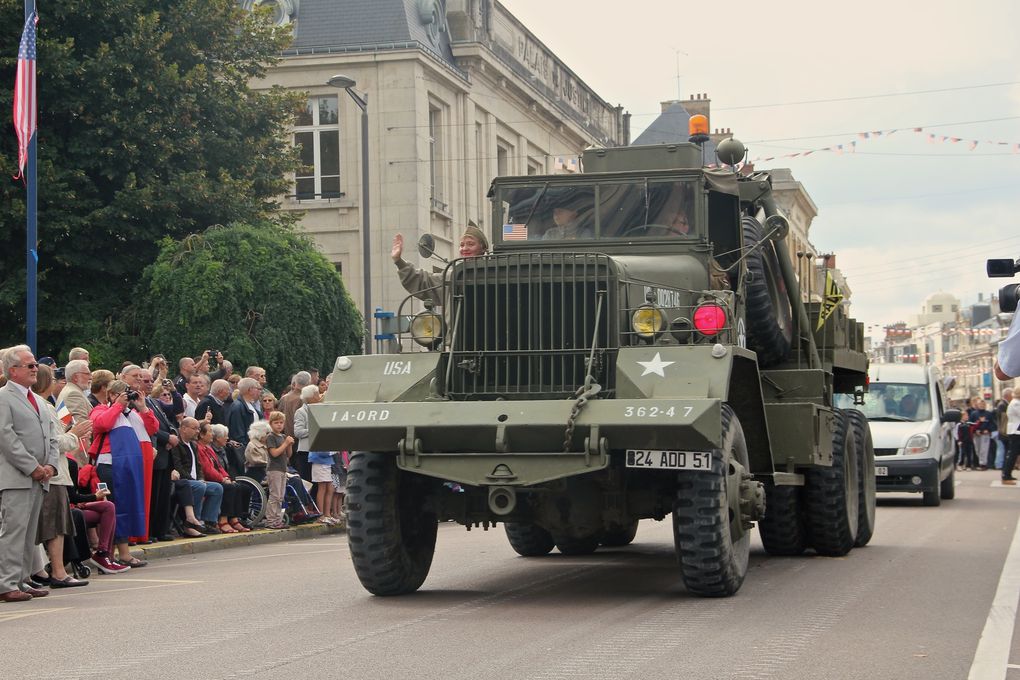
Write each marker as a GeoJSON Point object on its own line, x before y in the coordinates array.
{"type": "Point", "coordinates": [528, 540]}
{"type": "Point", "coordinates": [712, 562]}
{"type": "Point", "coordinates": [782, 528]}
{"type": "Point", "coordinates": [577, 545]}
{"type": "Point", "coordinates": [390, 531]}
{"type": "Point", "coordinates": [619, 535]}
{"type": "Point", "coordinates": [831, 494]}
{"type": "Point", "coordinates": [769, 315]}
{"type": "Point", "coordinates": [866, 499]}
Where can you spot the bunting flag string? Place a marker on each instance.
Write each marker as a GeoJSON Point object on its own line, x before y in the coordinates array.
{"type": "Point", "coordinates": [851, 145]}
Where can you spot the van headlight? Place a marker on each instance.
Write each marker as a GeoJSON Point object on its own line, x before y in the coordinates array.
{"type": "Point", "coordinates": [427, 329]}
{"type": "Point", "coordinates": [919, 443]}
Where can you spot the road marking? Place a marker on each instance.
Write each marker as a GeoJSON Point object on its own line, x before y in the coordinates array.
{"type": "Point", "coordinates": [159, 583]}
{"type": "Point", "coordinates": [991, 660]}
{"type": "Point", "coordinates": [11, 616]}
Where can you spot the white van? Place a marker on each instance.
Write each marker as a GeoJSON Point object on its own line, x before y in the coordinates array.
{"type": "Point", "coordinates": [912, 430]}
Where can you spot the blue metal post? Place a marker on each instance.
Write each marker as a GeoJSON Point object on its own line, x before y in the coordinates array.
{"type": "Point", "coordinates": [31, 235]}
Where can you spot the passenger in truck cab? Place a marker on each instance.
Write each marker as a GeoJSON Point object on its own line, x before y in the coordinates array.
{"type": "Point", "coordinates": [567, 223]}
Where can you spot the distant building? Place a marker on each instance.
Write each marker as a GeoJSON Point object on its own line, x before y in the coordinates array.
{"type": "Point", "coordinates": [961, 340]}
{"type": "Point", "coordinates": [938, 308]}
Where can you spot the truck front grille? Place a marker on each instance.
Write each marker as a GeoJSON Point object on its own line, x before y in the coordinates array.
{"type": "Point", "coordinates": [523, 326]}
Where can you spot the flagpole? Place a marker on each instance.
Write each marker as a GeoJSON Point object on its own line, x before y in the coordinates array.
{"type": "Point", "coordinates": [31, 232]}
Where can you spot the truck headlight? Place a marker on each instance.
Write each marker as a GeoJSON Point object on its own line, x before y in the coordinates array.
{"type": "Point", "coordinates": [427, 329]}
{"type": "Point", "coordinates": [919, 443]}
{"type": "Point", "coordinates": [648, 321]}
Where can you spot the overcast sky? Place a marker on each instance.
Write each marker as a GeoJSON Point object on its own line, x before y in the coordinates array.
{"type": "Point", "coordinates": [905, 216]}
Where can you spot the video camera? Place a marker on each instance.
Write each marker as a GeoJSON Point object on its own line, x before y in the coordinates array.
{"type": "Point", "coordinates": [1001, 269]}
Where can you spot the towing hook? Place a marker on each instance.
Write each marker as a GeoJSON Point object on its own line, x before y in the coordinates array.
{"type": "Point", "coordinates": [502, 500]}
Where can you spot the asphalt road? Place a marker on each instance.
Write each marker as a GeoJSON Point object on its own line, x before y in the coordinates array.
{"type": "Point", "coordinates": [913, 604]}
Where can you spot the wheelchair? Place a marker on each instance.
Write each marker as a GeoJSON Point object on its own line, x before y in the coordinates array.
{"type": "Point", "coordinates": [298, 507]}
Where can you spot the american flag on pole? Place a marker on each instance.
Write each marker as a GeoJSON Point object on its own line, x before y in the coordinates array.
{"type": "Point", "coordinates": [515, 232]}
{"type": "Point", "coordinates": [24, 92]}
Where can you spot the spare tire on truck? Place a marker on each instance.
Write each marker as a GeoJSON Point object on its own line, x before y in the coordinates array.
{"type": "Point", "coordinates": [769, 315]}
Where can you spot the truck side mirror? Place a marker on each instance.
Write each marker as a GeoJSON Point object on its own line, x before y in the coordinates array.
{"type": "Point", "coordinates": [951, 415]}
{"type": "Point", "coordinates": [426, 246]}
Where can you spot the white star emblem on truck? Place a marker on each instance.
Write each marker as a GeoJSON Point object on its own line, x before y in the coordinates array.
{"type": "Point", "coordinates": [655, 366]}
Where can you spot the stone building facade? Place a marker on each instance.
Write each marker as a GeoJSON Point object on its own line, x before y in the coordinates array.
{"type": "Point", "coordinates": [457, 92]}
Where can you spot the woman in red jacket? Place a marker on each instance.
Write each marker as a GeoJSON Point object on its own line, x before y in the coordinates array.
{"type": "Point", "coordinates": [122, 447]}
{"type": "Point", "coordinates": [236, 498]}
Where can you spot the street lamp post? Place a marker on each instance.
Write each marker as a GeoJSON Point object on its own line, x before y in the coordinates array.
{"type": "Point", "coordinates": [347, 83]}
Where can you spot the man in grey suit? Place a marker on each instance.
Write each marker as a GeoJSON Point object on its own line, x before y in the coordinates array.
{"type": "Point", "coordinates": [28, 459]}
{"type": "Point", "coordinates": [75, 395]}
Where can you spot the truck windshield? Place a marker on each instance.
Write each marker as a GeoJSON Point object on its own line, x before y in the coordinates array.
{"type": "Point", "coordinates": [891, 401]}
{"type": "Point", "coordinates": [598, 211]}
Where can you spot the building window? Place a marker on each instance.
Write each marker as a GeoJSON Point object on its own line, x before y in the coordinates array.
{"type": "Point", "coordinates": [502, 160]}
{"type": "Point", "coordinates": [317, 136]}
{"type": "Point", "coordinates": [936, 308]}
{"type": "Point", "coordinates": [436, 165]}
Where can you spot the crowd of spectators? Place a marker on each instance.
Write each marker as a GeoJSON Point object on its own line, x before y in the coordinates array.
{"type": "Point", "coordinates": [93, 462]}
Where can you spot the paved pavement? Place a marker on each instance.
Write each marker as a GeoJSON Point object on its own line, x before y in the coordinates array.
{"type": "Point", "coordinates": [193, 546]}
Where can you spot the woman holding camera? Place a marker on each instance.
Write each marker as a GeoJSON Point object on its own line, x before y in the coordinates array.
{"type": "Point", "coordinates": [118, 428]}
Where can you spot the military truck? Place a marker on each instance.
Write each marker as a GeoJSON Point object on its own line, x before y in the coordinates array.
{"type": "Point", "coordinates": [634, 347]}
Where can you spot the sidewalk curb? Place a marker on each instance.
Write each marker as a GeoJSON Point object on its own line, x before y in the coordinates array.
{"type": "Point", "coordinates": [193, 546]}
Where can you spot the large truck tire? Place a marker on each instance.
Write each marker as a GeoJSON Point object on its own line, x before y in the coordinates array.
{"type": "Point", "coordinates": [866, 498]}
{"type": "Point", "coordinates": [831, 494]}
{"type": "Point", "coordinates": [577, 545]}
{"type": "Point", "coordinates": [528, 540]}
{"type": "Point", "coordinates": [769, 315]}
{"type": "Point", "coordinates": [618, 536]}
{"type": "Point", "coordinates": [390, 533]}
{"type": "Point", "coordinates": [712, 564]}
{"type": "Point", "coordinates": [782, 528]}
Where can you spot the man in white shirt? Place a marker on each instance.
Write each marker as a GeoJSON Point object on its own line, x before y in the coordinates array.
{"type": "Point", "coordinates": [198, 387]}
{"type": "Point", "coordinates": [1013, 441]}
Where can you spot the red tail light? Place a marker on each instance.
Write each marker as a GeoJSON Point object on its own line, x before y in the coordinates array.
{"type": "Point", "coordinates": [709, 319]}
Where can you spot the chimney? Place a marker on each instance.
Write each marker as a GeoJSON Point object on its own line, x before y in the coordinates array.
{"type": "Point", "coordinates": [699, 103]}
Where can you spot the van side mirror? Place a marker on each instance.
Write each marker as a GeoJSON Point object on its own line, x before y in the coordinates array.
{"type": "Point", "coordinates": [952, 415]}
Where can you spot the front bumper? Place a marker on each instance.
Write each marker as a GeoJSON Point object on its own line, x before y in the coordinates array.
{"type": "Point", "coordinates": [902, 471]}
{"type": "Point", "coordinates": [515, 443]}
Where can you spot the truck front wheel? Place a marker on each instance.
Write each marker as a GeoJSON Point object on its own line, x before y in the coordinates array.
{"type": "Point", "coordinates": [712, 562]}
{"type": "Point", "coordinates": [528, 540]}
{"type": "Point", "coordinates": [391, 533]}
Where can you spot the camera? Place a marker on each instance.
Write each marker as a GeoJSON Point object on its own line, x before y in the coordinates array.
{"type": "Point", "coordinates": [132, 395]}
{"type": "Point", "coordinates": [1001, 269]}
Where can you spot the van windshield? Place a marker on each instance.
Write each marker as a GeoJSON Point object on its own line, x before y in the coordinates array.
{"type": "Point", "coordinates": [891, 401]}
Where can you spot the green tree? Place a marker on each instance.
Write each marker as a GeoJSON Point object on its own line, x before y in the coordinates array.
{"type": "Point", "coordinates": [147, 130]}
{"type": "Point", "coordinates": [261, 294]}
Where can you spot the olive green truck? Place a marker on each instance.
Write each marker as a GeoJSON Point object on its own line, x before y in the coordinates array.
{"type": "Point", "coordinates": [635, 346]}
